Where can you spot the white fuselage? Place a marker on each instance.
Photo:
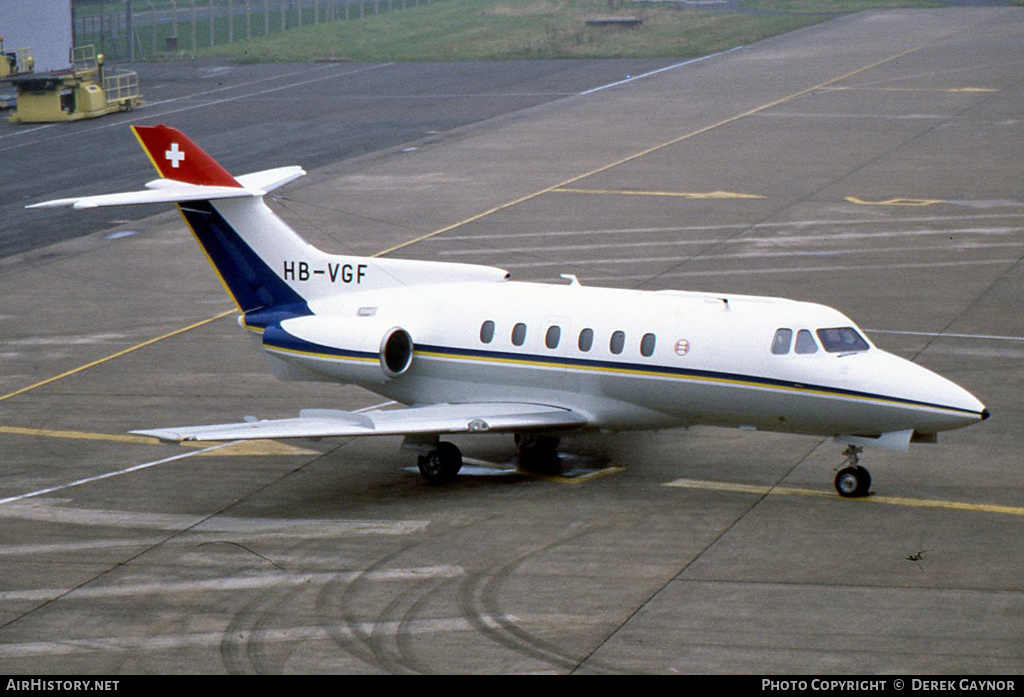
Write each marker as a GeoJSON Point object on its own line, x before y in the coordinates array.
{"type": "Point", "coordinates": [653, 359]}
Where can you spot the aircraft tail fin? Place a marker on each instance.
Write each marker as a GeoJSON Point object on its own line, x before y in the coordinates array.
{"type": "Point", "coordinates": [266, 267]}
{"type": "Point", "coordinates": [176, 157]}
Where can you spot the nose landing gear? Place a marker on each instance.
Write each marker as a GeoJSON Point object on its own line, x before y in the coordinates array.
{"type": "Point", "coordinates": [852, 480]}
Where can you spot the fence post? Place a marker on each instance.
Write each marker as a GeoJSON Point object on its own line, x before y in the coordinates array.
{"type": "Point", "coordinates": [174, 19]}
{"type": "Point", "coordinates": [152, 14]}
{"type": "Point", "coordinates": [128, 22]}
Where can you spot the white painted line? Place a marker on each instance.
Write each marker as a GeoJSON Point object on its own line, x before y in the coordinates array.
{"type": "Point", "coordinates": [795, 225]}
{"type": "Point", "coordinates": [949, 335]}
{"type": "Point", "coordinates": [146, 465]}
{"type": "Point", "coordinates": [796, 269]}
{"type": "Point", "coordinates": [266, 579]}
{"type": "Point", "coordinates": [701, 258]}
{"type": "Point", "coordinates": [108, 475]}
{"type": "Point", "coordinates": [50, 511]}
{"type": "Point", "coordinates": [633, 78]}
{"type": "Point", "coordinates": [768, 243]}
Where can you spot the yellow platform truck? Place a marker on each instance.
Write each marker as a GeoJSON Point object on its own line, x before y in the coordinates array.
{"type": "Point", "coordinates": [16, 62]}
{"type": "Point", "coordinates": [86, 90]}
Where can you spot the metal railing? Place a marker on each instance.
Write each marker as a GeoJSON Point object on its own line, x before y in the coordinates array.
{"type": "Point", "coordinates": [121, 85]}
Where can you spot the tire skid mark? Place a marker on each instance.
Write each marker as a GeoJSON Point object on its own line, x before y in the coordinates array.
{"type": "Point", "coordinates": [481, 598]}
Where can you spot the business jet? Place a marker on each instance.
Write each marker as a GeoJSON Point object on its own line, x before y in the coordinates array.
{"type": "Point", "coordinates": [467, 350]}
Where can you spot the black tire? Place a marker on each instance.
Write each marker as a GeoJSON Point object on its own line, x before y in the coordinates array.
{"type": "Point", "coordinates": [853, 482]}
{"type": "Point", "coordinates": [531, 445]}
{"type": "Point", "coordinates": [440, 465]}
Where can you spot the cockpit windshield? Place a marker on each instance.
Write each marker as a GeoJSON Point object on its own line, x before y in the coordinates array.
{"type": "Point", "coordinates": [842, 340]}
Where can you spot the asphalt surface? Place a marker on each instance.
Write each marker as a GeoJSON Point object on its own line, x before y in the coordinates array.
{"type": "Point", "coordinates": [322, 113]}
{"type": "Point", "coordinates": [872, 163]}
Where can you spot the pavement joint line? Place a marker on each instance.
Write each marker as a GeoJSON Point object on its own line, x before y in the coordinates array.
{"type": "Point", "coordinates": [761, 490]}
{"type": "Point", "coordinates": [643, 153]}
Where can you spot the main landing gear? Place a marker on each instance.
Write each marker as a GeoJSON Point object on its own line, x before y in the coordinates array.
{"type": "Point", "coordinates": [440, 464]}
{"type": "Point", "coordinates": [852, 480]}
{"type": "Point", "coordinates": [440, 461]}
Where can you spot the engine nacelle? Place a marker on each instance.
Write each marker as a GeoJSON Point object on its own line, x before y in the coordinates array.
{"type": "Point", "coordinates": [350, 349]}
{"type": "Point", "coordinates": [396, 349]}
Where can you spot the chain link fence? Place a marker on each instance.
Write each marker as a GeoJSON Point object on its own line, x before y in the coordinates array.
{"type": "Point", "coordinates": [137, 29]}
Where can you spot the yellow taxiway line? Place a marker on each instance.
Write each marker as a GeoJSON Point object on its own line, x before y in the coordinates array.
{"type": "Point", "coordinates": [125, 352]}
{"type": "Point", "coordinates": [647, 151]}
{"type": "Point", "coordinates": [815, 493]}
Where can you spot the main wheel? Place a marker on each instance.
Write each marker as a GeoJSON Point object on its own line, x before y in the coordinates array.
{"type": "Point", "coordinates": [440, 465]}
{"type": "Point", "coordinates": [852, 482]}
{"type": "Point", "coordinates": [531, 445]}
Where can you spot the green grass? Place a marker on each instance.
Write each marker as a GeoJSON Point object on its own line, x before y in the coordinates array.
{"type": "Point", "coordinates": [834, 6]}
{"type": "Point", "coordinates": [469, 30]}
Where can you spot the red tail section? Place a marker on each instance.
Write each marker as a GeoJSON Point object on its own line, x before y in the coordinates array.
{"type": "Point", "coordinates": [178, 158]}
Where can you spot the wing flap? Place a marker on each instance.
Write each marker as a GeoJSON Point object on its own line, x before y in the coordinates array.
{"type": "Point", "coordinates": [428, 419]}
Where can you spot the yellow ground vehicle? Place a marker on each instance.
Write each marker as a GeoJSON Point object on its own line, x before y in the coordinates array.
{"type": "Point", "coordinates": [84, 91]}
{"type": "Point", "coordinates": [16, 62]}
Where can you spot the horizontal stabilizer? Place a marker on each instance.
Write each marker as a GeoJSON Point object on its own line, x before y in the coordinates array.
{"type": "Point", "coordinates": [170, 194]}
{"type": "Point", "coordinates": [172, 191]}
{"type": "Point", "coordinates": [434, 418]}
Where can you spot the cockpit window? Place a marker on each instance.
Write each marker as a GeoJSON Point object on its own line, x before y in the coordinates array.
{"type": "Point", "coordinates": [781, 342]}
{"type": "Point", "coordinates": [842, 340]}
{"type": "Point", "coordinates": [805, 342]}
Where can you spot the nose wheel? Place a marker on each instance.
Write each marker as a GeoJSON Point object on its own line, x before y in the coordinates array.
{"type": "Point", "coordinates": [852, 480]}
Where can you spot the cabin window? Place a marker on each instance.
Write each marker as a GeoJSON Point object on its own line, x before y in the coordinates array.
{"type": "Point", "coordinates": [519, 334]}
{"type": "Point", "coordinates": [552, 337]}
{"type": "Point", "coordinates": [618, 342]}
{"type": "Point", "coordinates": [647, 345]}
{"type": "Point", "coordinates": [782, 341]}
{"type": "Point", "coordinates": [487, 332]}
{"type": "Point", "coordinates": [842, 340]}
{"type": "Point", "coordinates": [805, 342]}
{"type": "Point", "coordinates": [586, 341]}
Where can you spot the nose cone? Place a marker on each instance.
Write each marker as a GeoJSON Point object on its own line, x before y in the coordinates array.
{"type": "Point", "coordinates": [938, 404]}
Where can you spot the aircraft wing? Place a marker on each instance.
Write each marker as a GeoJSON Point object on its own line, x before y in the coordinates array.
{"type": "Point", "coordinates": [427, 419]}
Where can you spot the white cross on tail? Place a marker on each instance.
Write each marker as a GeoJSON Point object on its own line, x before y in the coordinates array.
{"type": "Point", "coordinates": [175, 155]}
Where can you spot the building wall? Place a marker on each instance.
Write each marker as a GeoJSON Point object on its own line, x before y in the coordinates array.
{"type": "Point", "coordinates": [41, 25]}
